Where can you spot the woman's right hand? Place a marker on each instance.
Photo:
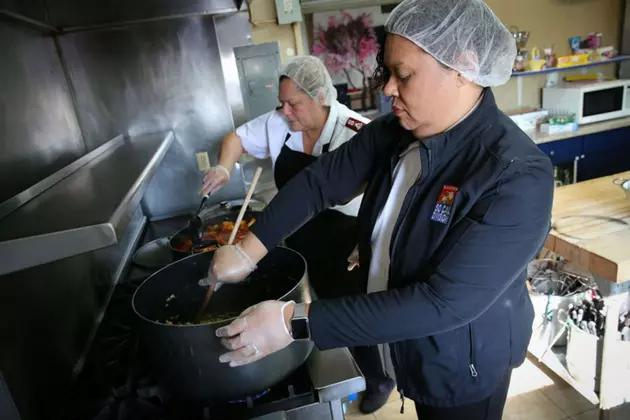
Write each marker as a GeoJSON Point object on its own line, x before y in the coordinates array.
{"type": "Point", "coordinates": [353, 259]}
{"type": "Point", "coordinates": [230, 264]}
{"type": "Point", "coordinates": [215, 179]}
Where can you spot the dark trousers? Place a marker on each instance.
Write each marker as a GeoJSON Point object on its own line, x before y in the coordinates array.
{"type": "Point", "coordinates": [368, 359]}
{"type": "Point", "coordinates": [489, 409]}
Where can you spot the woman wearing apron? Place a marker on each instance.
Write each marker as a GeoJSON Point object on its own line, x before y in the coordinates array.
{"type": "Point", "coordinates": [308, 123]}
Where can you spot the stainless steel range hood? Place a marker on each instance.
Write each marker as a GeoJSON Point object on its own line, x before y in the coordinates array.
{"type": "Point", "coordinates": [70, 15]}
{"type": "Point", "coordinates": [81, 208]}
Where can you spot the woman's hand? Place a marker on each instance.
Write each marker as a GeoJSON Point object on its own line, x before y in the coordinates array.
{"type": "Point", "coordinates": [259, 331]}
{"type": "Point", "coordinates": [230, 264]}
{"type": "Point", "coordinates": [353, 259]}
{"type": "Point", "coordinates": [233, 263]}
{"type": "Point", "coordinates": [215, 179]}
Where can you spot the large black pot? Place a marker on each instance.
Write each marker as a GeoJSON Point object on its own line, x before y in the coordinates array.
{"type": "Point", "coordinates": [186, 357]}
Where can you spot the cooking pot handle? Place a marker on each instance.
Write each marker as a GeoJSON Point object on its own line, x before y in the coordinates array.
{"type": "Point", "coordinates": [619, 181]}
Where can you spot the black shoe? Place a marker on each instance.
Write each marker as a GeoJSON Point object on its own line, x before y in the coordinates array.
{"type": "Point", "coordinates": [376, 396]}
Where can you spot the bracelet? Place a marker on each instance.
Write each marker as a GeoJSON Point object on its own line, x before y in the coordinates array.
{"type": "Point", "coordinates": [222, 169]}
{"type": "Point", "coordinates": [244, 255]}
{"type": "Point", "coordinates": [286, 328]}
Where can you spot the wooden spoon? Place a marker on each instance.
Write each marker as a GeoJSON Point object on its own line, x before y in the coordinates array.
{"type": "Point", "coordinates": [213, 286]}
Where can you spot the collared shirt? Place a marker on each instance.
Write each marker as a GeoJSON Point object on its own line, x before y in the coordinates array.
{"type": "Point", "coordinates": [265, 135]}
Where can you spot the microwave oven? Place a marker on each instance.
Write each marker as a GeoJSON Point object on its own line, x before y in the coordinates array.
{"type": "Point", "coordinates": [589, 102]}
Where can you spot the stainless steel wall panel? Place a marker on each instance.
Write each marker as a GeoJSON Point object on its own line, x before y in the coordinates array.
{"type": "Point", "coordinates": [34, 9]}
{"type": "Point", "coordinates": [152, 77]}
{"type": "Point", "coordinates": [39, 133]}
{"type": "Point", "coordinates": [47, 314]}
{"type": "Point", "coordinates": [233, 30]}
{"type": "Point", "coordinates": [71, 13]}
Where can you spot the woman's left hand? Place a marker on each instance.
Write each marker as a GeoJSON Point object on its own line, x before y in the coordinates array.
{"type": "Point", "coordinates": [259, 331]}
{"type": "Point", "coordinates": [353, 259]}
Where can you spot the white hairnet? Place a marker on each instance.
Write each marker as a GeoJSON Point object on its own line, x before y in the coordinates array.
{"type": "Point", "coordinates": [310, 74]}
{"type": "Point", "coordinates": [464, 35]}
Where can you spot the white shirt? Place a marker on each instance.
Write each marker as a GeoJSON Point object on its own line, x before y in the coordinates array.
{"type": "Point", "coordinates": [406, 173]}
{"type": "Point", "coordinates": [264, 137]}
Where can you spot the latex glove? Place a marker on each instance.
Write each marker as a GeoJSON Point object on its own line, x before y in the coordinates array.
{"type": "Point", "coordinates": [259, 331]}
{"type": "Point", "coordinates": [230, 264]}
{"type": "Point", "coordinates": [353, 259]}
{"type": "Point", "coordinates": [215, 179]}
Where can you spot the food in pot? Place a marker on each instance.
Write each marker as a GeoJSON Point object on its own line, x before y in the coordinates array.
{"type": "Point", "coordinates": [208, 319]}
{"type": "Point", "coordinates": [218, 232]}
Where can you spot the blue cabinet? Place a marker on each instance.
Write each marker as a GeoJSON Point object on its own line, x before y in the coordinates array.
{"type": "Point", "coordinates": [605, 153]}
{"type": "Point", "coordinates": [563, 152]}
{"type": "Point", "coordinates": [600, 154]}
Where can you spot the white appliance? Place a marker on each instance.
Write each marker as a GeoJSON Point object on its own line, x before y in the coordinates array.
{"type": "Point", "coordinates": [589, 101]}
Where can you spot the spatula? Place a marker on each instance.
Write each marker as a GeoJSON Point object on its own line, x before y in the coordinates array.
{"type": "Point", "coordinates": [195, 224]}
{"type": "Point", "coordinates": [213, 285]}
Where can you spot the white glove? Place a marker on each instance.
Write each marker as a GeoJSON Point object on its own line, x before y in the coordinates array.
{"type": "Point", "coordinates": [259, 331]}
{"type": "Point", "coordinates": [215, 179]}
{"type": "Point", "coordinates": [353, 259]}
{"type": "Point", "coordinates": [230, 264]}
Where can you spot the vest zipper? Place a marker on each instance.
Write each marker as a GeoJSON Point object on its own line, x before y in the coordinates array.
{"type": "Point", "coordinates": [402, 401]}
{"type": "Point", "coordinates": [471, 366]}
{"type": "Point", "coordinates": [425, 163]}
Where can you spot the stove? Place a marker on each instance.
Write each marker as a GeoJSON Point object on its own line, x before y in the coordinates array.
{"type": "Point", "coordinates": [116, 384]}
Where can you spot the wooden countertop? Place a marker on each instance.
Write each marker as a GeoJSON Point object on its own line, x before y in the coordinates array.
{"type": "Point", "coordinates": [583, 130]}
{"type": "Point", "coordinates": [591, 227]}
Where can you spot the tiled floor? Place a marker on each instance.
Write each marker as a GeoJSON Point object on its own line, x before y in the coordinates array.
{"type": "Point", "coordinates": [535, 394]}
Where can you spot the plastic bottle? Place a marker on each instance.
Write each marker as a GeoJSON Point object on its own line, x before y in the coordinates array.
{"type": "Point", "coordinates": [349, 402]}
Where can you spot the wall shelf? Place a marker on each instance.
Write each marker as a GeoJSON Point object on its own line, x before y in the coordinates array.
{"type": "Point", "coordinates": [617, 59]}
{"type": "Point", "coordinates": [314, 6]}
{"type": "Point", "coordinates": [81, 208]}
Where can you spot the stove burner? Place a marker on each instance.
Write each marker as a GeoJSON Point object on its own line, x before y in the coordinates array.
{"type": "Point", "coordinates": [252, 398]}
{"type": "Point", "coordinates": [125, 403]}
{"type": "Point", "coordinates": [155, 254]}
{"type": "Point", "coordinates": [115, 384]}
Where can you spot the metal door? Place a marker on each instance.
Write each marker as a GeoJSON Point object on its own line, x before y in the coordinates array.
{"type": "Point", "coordinates": [258, 73]}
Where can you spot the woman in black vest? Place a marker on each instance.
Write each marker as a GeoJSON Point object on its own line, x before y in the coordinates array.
{"type": "Point", "coordinates": [456, 202]}
{"type": "Point", "coordinates": [308, 123]}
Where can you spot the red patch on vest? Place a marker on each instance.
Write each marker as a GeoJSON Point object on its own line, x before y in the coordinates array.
{"type": "Point", "coordinates": [353, 124]}
{"type": "Point", "coordinates": [447, 196]}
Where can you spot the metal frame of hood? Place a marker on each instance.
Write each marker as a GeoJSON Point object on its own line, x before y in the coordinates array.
{"type": "Point", "coordinates": [54, 7]}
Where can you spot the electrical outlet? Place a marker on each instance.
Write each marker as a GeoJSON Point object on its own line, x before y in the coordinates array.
{"type": "Point", "coordinates": [203, 162]}
{"type": "Point", "coordinates": [288, 11]}
{"type": "Point", "coordinates": [288, 6]}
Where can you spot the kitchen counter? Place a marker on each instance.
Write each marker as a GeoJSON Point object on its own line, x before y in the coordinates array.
{"type": "Point", "coordinates": [335, 374]}
{"type": "Point", "coordinates": [591, 227]}
{"type": "Point", "coordinates": [81, 208]}
{"type": "Point", "coordinates": [540, 138]}
{"type": "Point", "coordinates": [583, 130]}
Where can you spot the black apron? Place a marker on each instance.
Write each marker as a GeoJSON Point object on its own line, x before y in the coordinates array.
{"type": "Point", "coordinates": [325, 241]}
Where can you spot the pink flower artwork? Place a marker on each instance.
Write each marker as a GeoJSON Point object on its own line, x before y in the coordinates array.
{"type": "Point", "coordinates": [346, 45]}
